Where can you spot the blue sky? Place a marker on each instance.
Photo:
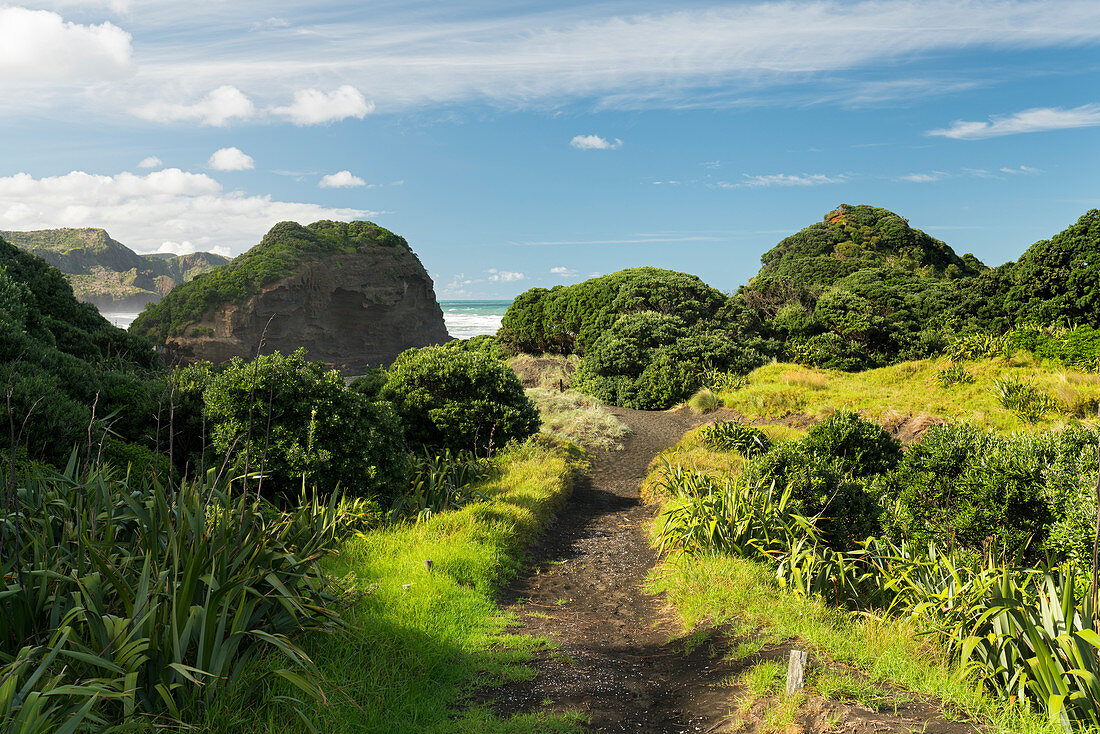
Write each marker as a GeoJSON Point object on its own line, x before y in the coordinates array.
{"type": "Point", "coordinates": [525, 143]}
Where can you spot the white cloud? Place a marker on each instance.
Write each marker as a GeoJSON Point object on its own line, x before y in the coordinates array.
{"type": "Point", "coordinates": [145, 211]}
{"type": "Point", "coordinates": [1036, 119]}
{"type": "Point", "coordinates": [187, 247]}
{"type": "Point", "coordinates": [783, 179]}
{"type": "Point", "coordinates": [314, 107]}
{"type": "Point", "coordinates": [564, 272]}
{"type": "Point", "coordinates": [341, 180]}
{"type": "Point", "coordinates": [151, 162]}
{"type": "Point", "coordinates": [594, 142]}
{"type": "Point", "coordinates": [39, 45]}
{"type": "Point", "coordinates": [218, 108]}
{"type": "Point", "coordinates": [1021, 170]}
{"type": "Point", "coordinates": [925, 177]}
{"type": "Point", "coordinates": [504, 276]}
{"type": "Point", "coordinates": [231, 159]}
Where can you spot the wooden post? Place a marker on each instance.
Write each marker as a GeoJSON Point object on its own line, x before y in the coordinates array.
{"type": "Point", "coordinates": [428, 564]}
{"type": "Point", "coordinates": [796, 671]}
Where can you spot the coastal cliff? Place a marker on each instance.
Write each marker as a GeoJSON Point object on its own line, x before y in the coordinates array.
{"type": "Point", "coordinates": [106, 273]}
{"type": "Point", "coordinates": [353, 294]}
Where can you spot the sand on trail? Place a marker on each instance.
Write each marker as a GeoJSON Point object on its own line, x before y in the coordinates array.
{"type": "Point", "coordinates": [621, 658]}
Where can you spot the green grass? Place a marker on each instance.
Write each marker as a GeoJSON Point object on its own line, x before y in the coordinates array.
{"type": "Point", "coordinates": [414, 655]}
{"type": "Point", "coordinates": [745, 596]}
{"type": "Point", "coordinates": [579, 418]}
{"type": "Point", "coordinates": [779, 389]}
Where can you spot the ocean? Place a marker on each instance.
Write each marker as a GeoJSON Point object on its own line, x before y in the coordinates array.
{"type": "Point", "coordinates": [464, 319]}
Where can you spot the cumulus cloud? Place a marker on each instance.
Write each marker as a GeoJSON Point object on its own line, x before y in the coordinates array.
{"type": "Point", "coordinates": [39, 45]}
{"type": "Point", "coordinates": [341, 180]}
{"type": "Point", "coordinates": [151, 162]}
{"type": "Point", "coordinates": [145, 211]}
{"type": "Point", "coordinates": [314, 107]}
{"type": "Point", "coordinates": [1036, 119]}
{"type": "Point", "coordinates": [783, 179]}
{"type": "Point", "coordinates": [218, 108]}
{"type": "Point", "coordinates": [186, 247]}
{"type": "Point", "coordinates": [563, 271]}
{"type": "Point", "coordinates": [231, 159]}
{"type": "Point", "coordinates": [504, 276]}
{"type": "Point", "coordinates": [594, 142]}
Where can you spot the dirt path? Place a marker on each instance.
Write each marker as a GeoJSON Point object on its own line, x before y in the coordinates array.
{"type": "Point", "coordinates": [620, 657]}
{"type": "Point", "coordinates": [619, 660]}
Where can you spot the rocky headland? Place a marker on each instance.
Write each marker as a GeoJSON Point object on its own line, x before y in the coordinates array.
{"type": "Point", "coordinates": [352, 293]}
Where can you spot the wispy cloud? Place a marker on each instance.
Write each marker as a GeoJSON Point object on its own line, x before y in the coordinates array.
{"type": "Point", "coordinates": [782, 179]}
{"type": "Point", "coordinates": [1036, 119]}
{"type": "Point", "coordinates": [563, 272]}
{"type": "Point", "coordinates": [594, 142]}
{"type": "Point", "coordinates": [657, 240]}
{"type": "Point", "coordinates": [713, 56]}
{"type": "Point", "coordinates": [504, 276]}
{"type": "Point", "coordinates": [925, 177]}
{"type": "Point", "coordinates": [218, 108]}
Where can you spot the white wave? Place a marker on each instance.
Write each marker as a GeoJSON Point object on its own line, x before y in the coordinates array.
{"type": "Point", "coordinates": [121, 319]}
{"type": "Point", "coordinates": [466, 325]}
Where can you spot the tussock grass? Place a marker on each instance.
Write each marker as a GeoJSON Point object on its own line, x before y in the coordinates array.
{"type": "Point", "coordinates": [548, 371]}
{"type": "Point", "coordinates": [780, 389]}
{"type": "Point", "coordinates": [579, 418]}
{"type": "Point", "coordinates": [704, 401]}
{"type": "Point", "coordinates": [421, 640]}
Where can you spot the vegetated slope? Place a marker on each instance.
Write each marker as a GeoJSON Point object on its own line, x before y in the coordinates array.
{"type": "Point", "coordinates": [59, 357]}
{"type": "Point", "coordinates": [352, 293]}
{"type": "Point", "coordinates": [105, 272]}
{"type": "Point", "coordinates": [644, 334]}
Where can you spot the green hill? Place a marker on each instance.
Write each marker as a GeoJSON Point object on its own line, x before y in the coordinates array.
{"type": "Point", "coordinates": [106, 273]}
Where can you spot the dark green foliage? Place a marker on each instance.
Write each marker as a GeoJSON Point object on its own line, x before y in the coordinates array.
{"type": "Point", "coordinates": [733, 436]}
{"type": "Point", "coordinates": [458, 400]}
{"type": "Point", "coordinates": [570, 319]}
{"type": "Point", "coordinates": [828, 473]}
{"type": "Point", "coordinates": [1057, 281]}
{"type": "Point", "coordinates": [369, 384]}
{"type": "Point", "coordinates": [150, 601]}
{"type": "Point", "coordinates": [297, 421]}
{"type": "Point", "coordinates": [485, 344]}
{"type": "Point", "coordinates": [59, 358]}
{"type": "Point", "coordinates": [279, 253]}
{"type": "Point", "coordinates": [440, 482]}
{"type": "Point", "coordinates": [971, 489]}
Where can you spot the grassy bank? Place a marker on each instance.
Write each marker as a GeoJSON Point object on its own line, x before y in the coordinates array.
{"type": "Point", "coordinates": [422, 640]}
{"type": "Point", "coordinates": [779, 389]}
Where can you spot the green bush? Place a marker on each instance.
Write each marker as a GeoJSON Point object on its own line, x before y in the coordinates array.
{"type": "Point", "coordinates": [970, 489]}
{"type": "Point", "coordinates": [1027, 401]}
{"type": "Point", "coordinates": [296, 420]}
{"type": "Point", "coordinates": [458, 400]}
{"type": "Point", "coordinates": [829, 473]}
{"type": "Point", "coordinates": [953, 374]}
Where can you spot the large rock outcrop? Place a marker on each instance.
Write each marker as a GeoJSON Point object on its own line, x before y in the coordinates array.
{"type": "Point", "coordinates": [353, 294]}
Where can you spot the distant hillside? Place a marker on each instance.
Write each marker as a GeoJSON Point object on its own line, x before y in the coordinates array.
{"type": "Point", "coordinates": [106, 273]}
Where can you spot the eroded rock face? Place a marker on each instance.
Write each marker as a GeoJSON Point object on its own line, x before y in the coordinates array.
{"type": "Point", "coordinates": [349, 310]}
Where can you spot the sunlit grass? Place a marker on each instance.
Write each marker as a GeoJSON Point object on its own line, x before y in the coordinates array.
{"type": "Point", "coordinates": [422, 639]}
{"type": "Point", "coordinates": [780, 389]}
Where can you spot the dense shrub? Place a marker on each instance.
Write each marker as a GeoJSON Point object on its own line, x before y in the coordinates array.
{"type": "Point", "coordinates": [971, 489]}
{"type": "Point", "coordinates": [297, 421]}
{"type": "Point", "coordinates": [458, 400]}
{"type": "Point", "coordinates": [59, 358]}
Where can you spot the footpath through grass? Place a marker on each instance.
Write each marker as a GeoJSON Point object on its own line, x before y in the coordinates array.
{"type": "Point", "coordinates": [422, 640]}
